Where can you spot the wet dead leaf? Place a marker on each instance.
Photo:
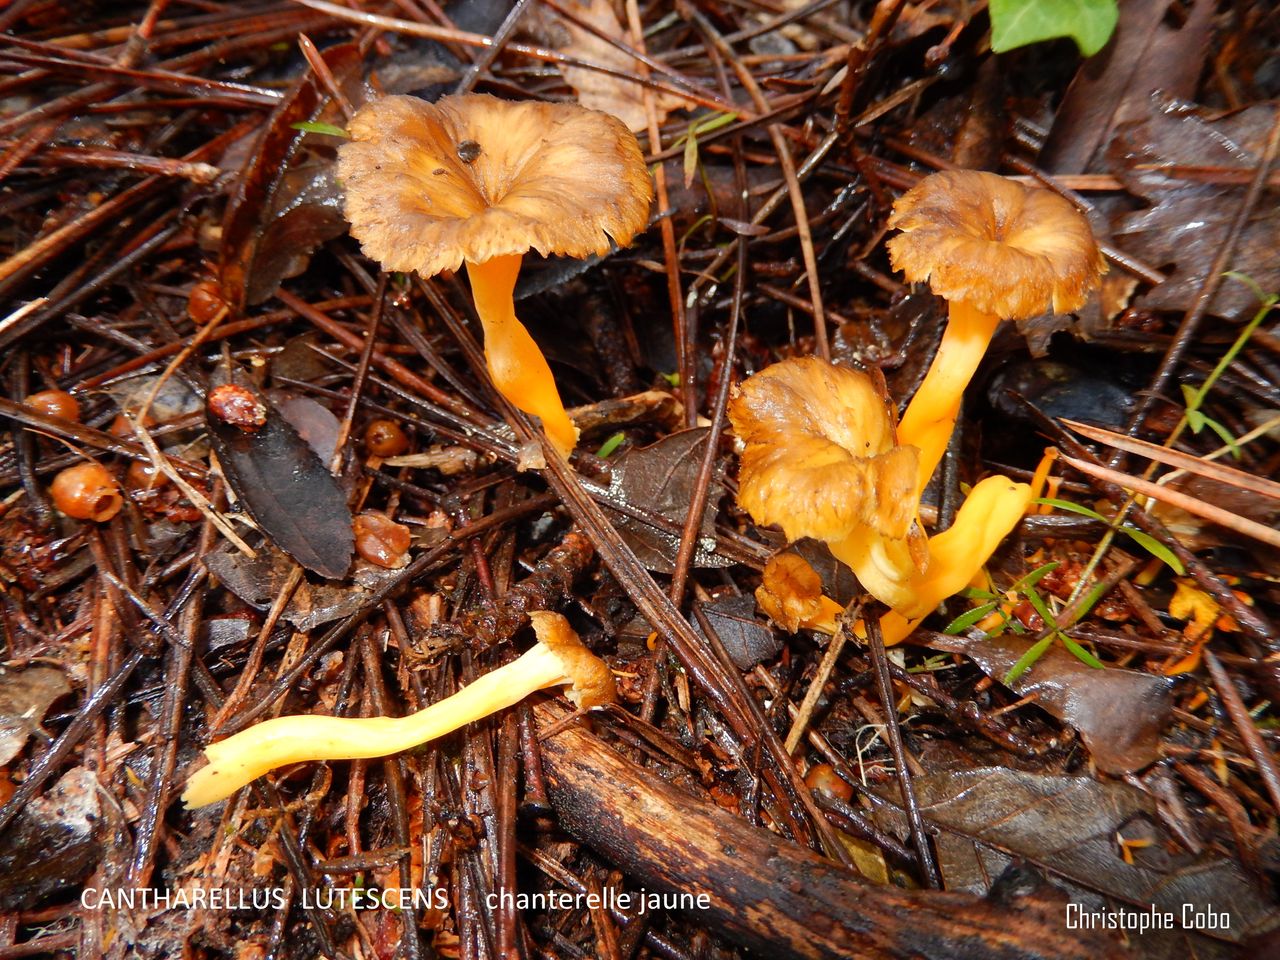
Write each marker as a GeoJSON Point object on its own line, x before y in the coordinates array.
{"type": "Point", "coordinates": [659, 479]}
{"type": "Point", "coordinates": [1189, 218]}
{"type": "Point", "coordinates": [602, 91]}
{"type": "Point", "coordinates": [745, 638]}
{"type": "Point", "coordinates": [1070, 828]}
{"type": "Point", "coordinates": [258, 581]}
{"type": "Point", "coordinates": [25, 696]}
{"type": "Point", "coordinates": [53, 844]}
{"type": "Point", "coordinates": [287, 201]}
{"type": "Point", "coordinates": [286, 488]}
{"type": "Point", "coordinates": [1119, 713]}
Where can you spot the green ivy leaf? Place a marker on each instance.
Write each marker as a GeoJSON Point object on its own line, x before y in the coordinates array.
{"type": "Point", "coordinates": [1016, 23]}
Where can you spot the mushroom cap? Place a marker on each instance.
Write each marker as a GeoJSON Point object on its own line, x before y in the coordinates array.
{"type": "Point", "coordinates": [1007, 249]}
{"type": "Point", "coordinates": [820, 458]}
{"type": "Point", "coordinates": [591, 683]}
{"type": "Point", "coordinates": [790, 594]}
{"type": "Point", "coordinates": [557, 178]}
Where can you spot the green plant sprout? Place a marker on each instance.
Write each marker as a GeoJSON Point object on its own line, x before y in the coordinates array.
{"type": "Point", "coordinates": [1194, 417]}
{"type": "Point", "coordinates": [610, 446]}
{"type": "Point", "coordinates": [1140, 537]}
{"type": "Point", "coordinates": [1026, 588]}
{"type": "Point", "coordinates": [315, 126]}
{"type": "Point", "coordinates": [701, 125]}
{"type": "Point", "coordinates": [1017, 23]}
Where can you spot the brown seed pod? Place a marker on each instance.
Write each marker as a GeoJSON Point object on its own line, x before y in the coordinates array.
{"type": "Point", "coordinates": [381, 540]}
{"type": "Point", "coordinates": [205, 302]}
{"type": "Point", "coordinates": [385, 438]}
{"type": "Point", "coordinates": [87, 492]}
{"type": "Point", "coordinates": [237, 406]}
{"type": "Point", "coordinates": [54, 403]}
{"type": "Point", "coordinates": [822, 778]}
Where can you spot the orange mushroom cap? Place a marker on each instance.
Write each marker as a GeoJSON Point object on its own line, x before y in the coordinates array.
{"type": "Point", "coordinates": [790, 594]}
{"type": "Point", "coordinates": [820, 458]}
{"type": "Point", "coordinates": [555, 178]}
{"type": "Point", "coordinates": [1004, 248]}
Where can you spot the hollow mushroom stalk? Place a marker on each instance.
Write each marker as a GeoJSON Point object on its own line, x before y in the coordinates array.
{"type": "Point", "coordinates": [559, 658]}
{"type": "Point", "coordinates": [479, 181]}
{"type": "Point", "coordinates": [995, 250]}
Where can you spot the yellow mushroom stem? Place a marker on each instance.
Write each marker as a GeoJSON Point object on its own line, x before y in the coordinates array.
{"type": "Point", "coordinates": [885, 567]}
{"type": "Point", "coordinates": [249, 754]}
{"type": "Point", "coordinates": [517, 366]}
{"type": "Point", "coordinates": [956, 555]}
{"type": "Point", "coordinates": [930, 417]}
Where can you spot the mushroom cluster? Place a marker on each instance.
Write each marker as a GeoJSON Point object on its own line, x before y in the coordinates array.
{"type": "Point", "coordinates": [479, 181]}
{"type": "Point", "coordinates": [559, 658]}
{"type": "Point", "coordinates": [821, 456]}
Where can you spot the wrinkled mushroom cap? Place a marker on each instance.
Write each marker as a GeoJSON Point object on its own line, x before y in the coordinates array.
{"type": "Point", "coordinates": [590, 683]}
{"type": "Point", "coordinates": [1006, 249]}
{"type": "Point", "coordinates": [820, 458]}
{"type": "Point", "coordinates": [790, 594]}
{"type": "Point", "coordinates": [552, 177]}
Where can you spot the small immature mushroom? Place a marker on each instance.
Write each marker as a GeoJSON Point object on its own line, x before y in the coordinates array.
{"type": "Point", "coordinates": [790, 594]}
{"type": "Point", "coordinates": [477, 180]}
{"type": "Point", "coordinates": [994, 250]}
{"type": "Point", "coordinates": [385, 438]}
{"type": "Point", "coordinates": [559, 658]}
{"type": "Point", "coordinates": [820, 461]}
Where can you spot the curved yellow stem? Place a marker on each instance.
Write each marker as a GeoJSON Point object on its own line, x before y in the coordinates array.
{"type": "Point", "coordinates": [517, 366]}
{"type": "Point", "coordinates": [930, 417]}
{"type": "Point", "coordinates": [249, 754]}
{"type": "Point", "coordinates": [992, 509]}
{"type": "Point", "coordinates": [884, 567]}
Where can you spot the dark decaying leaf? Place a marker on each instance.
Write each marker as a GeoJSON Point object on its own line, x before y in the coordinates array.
{"type": "Point", "coordinates": [745, 638]}
{"type": "Point", "coordinates": [258, 581]}
{"type": "Point", "coordinates": [287, 490]}
{"type": "Point", "coordinates": [1119, 713]}
{"type": "Point", "coordinates": [1151, 52]}
{"type": "Point", "coordinates": [659, 479]}
{"type": "Point", "coordinates": [287, 201]}
{"type": "Point", "coordinates": [1068, 827]}
{"type": "Point", "coordinates": [838, 581]}
{"type": "Point", "coordinates": [25, 696]}
{"type": "Point", "coordinates": [1188, 221]}
{"type": "Point", "coordinates": [53, 843]}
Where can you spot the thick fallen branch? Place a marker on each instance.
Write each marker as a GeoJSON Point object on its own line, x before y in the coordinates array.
{"type": "Point", "coordinates": [773, 896]}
